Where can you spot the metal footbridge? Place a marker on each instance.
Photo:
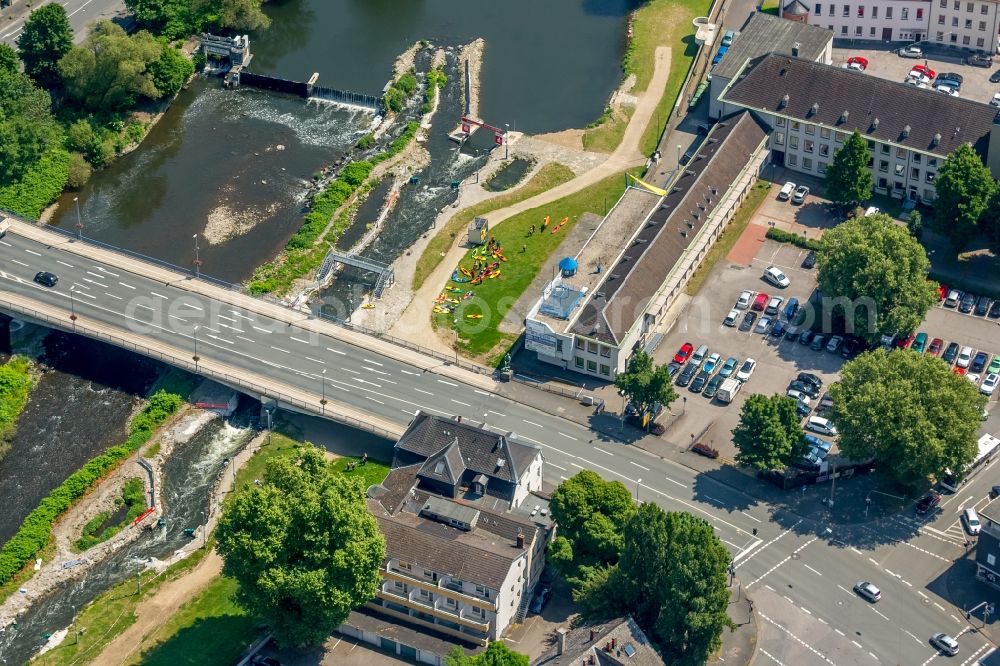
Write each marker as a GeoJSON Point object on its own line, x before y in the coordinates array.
{"type": "Point", "coordinates": [335, 260]}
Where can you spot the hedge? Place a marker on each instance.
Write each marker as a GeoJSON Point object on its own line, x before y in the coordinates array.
{"type": "Point", "coordinates": [783, 236]}
{"type": "Point", "coordinates": [43, 182]}
{"type": "Point", "coordinates": [15, 385]}
{"type": "Point", "coordinates": [36, 529]}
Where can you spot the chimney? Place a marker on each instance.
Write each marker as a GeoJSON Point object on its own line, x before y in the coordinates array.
{"type": "Point", "coordinates": [784, 102]}
{"type": "Point", "coordinates": [815, 108]}
{"type": "Point", "coordinates": [592, 632]}
{"type": "Point", "coordinates": [520, 540]}
{"type": "Point", "coordinates": [561, 642]}
{"type": "Point", "coordinates": [614, 642]}
{"type": "Point", "coordinates": [843, 116]}
{"type": "Point", "coordinates": [937, 140]}
{"type": "Point", "coordinates": [906, 131]}
{"type": "Point", "coordinates": [795, 49]}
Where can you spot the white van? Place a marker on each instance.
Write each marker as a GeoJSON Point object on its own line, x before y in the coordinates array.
{"type": "Point", "coordinates": [4, 226]}
{"type": "Point", "coordinates": [728, 390]}
{"type": "Point", "coordinates": [971, 520]}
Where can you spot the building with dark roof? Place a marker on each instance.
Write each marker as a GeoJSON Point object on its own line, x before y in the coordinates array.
{"type": "Point", "coordinates": [988, 545]}
{"type": "Point", "coordinates": [761, 34]}
{"type": "Point", "coordinates": [618, 642]}
{"type": "Point", "coordinates": [662, 247]}
{"type": "Point", "coordinates": [811, 108]}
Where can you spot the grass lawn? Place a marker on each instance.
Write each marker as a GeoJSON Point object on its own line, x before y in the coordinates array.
{"type": "Point", "coordinates": [478, 337]}
{"type": "Point", "coordinates": [770, 7]}
{"type": "Point", "coordinates": [605, 136]}
{"type": "Point", "coordinates": [729, 237]}
{"type": "Point", "coordinates": [549, 176]}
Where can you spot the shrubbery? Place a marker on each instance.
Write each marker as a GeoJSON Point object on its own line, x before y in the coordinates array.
{"type": "Point", "coordinates": [133, 496]}
{"type": "Point", "coordinates": [15, 385]}
{"type": "Point", "coordinates": [40, 185]}
{"type": "Point", "coordinates": [36, 528]}
{"type": "Point", "coordinates": [783, 236]}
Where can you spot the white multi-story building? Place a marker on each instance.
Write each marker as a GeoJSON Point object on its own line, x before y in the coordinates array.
{"type": "Point", "coordinates": [957, 23]}
{"type": "Point", "coordinates": [812, 108]}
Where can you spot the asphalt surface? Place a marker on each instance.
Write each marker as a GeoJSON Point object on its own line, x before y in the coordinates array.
{"type": "Point", "coordinates": [798, 571]}
{"type": "Point", "coordinates": [81, 13]}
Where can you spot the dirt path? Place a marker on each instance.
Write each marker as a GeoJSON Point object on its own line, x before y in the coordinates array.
{"type": "Point", "coordinates": [415, 322]}
{"type": "Point", "coordinates": [155, 611]}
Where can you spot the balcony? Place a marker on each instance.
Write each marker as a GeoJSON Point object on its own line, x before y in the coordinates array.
{"type": "Point", "coordinates": [431, 608]}
{"type": "Point", "coordinates": [431, 586]}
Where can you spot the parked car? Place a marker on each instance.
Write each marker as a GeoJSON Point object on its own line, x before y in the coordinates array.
{"type": "Point", "coordinates": [857, 63]}
{"type": "Point", "coordinates": [699, 355]}
{"type": "Point", "coordinates": [918, 75]}
{"type": "Point", "coordinates": [798, 396]}
{"type": "Point", "coordinates": [686, 374]}
{"type": "Point", "coordinates": [684, 353]}
{"type": "Point", "coordinates": [705, 450]}
{"type": "Point", "coordinates": [731, 318]}
{"type": "Point", "coordinates": [801, 192]}
{"type": "Point", "coordinates": [810, 379]}
{"type": "Point", "coordinates": [852, 347]}
{"type": "Point", "coordinates": [746, 370]}
{"type": "Point", "coordinates": [935, 347]}
{"type": "Point", "coordinates": [699, 382]}
{"type": "Point", "coordinates": [971, 520]}
{"type": "Point", "coordinates": [995, 77]}
{"type": "Point", "coordinates": [923, 70]}
{"type": "Point", "coordinates": [760, 302]}
{"type": "Point", "coordinates": [834, 344]}
{"type": "Point", "coordinates": [810, 461]}
{"type": "Point", "coordinates": [805, 337]}
{"type": "Point", "coordinates": [919, 342]}
{"type": "Point", "coordinates": [711, 362]}
{"type": "Point", "coordinates": [818, 342]}
{"type": "Point", "coordinates": [804, 388]}
{"type": "Point", "coordinates": [792, 332]}
{"type": "Point", "coordinates": [902, 341]}
{"type": "Point", "coordinates": [994, 312]}
{"type": "Point", "coordinates": [950, 353]}
{"type": "Point", "coordinates": [953, 299]}
{"type": "Point", "coordinates": [911, 52]}
{"type": "Point", "coordinates": [994, 365]}
{"type": "Point", "coordinates": [982, 306]}
{"type": "Point", "coordinates": [810, 260]}
{"type": "Point", "coordinates": [786, 191]}
{"type": "Point", "coordinates": [979, 362]}
{"type": "Point", "coordinates": [791, 308]}
{"type": "Point", "coordinates": [821, 425]}
{"type": "Point", "coordinates": [979, 60]}
{"type": "Point", "coordinates": [955, 78]}
{"type": "Point", "coordinates": [727, 39]}
{"type": "Point", "coordinates": [774, 275]}
{"type": "Point", "coordinates": [928, 502]}
{"type": "Point", "coordinates": [868, 591]}
{"type": "Point", "coordinates": [723, 50]}
{"type": "Point", "coordinates": [748, 319]}
{"type": "Point", "coordinates": [964, 357]}
{"type": "Point", "coordinates": [996, 100]}
{"type": "Point", "coordinates": [673, 368]}
{"type": "Point", "coordinates": [945, 643]}
{"type": "Point", "coordinates": [947, 89]}
{"type": "Point", "coordinates": [762, 325]}
{"type": "Point", "coordinates": [744, 301]}
{"type": "Point", "coordinates": [967, 303]}
{"type": "Point", "coordinates": [778, 329]}
{"type": "Point", "coordinates": [815, 442]}
{"type": "Point", "coordinates": [774, 305]}
{"type": "Point", "coordinates": [729, 367]}
{"type": "Point", "coordinates": [989, 385]}
{"type": "Point", "coordinates": [712, 386]}
{"type": "Point", "coordinates": [538, 602]}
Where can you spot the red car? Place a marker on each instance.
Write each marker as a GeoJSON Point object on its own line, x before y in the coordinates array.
{"type": "Point", "coordinates": [935, 347]}
{"type": "Point", "coordinates": [858, 63]}
{"type": "Point", "coordinates": [684, 353]}
{"type": "Point", "coordinates": [942, 291]}
{"type": "Point", "coordinates": [903, 342]}
{"type": "Point", "coordinates": [760, 302]}
{"type": "Point", "coordinates": [958, 371]}
{"type": "Point", "coordinates": [925, 70]}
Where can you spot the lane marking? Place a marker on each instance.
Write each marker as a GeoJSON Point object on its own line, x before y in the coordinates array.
{"type": "Point", "coordinates": [605, 452]}
{"type": "Point", "coordinates": [677, 482]}
{"type": "Point", "coordinates": [552, 464]}
{"type": "Point", "coordinates": [569, 437]}
{"type": "Point", "coordinates": [377, 372]}
{"type": "Point", "coordinates": [85, 294]}
{"type": "Point", "coordinates": [374, 400]}
{"type": "Point", "coordinates": [335, 351]}
{"type": "Point", "coordinates": [799, 640]}
{"type": "Point", "coordinates": [422, 391]}
{"type": "Point", "coordinates": [127, 286]}
{"type": "Point", "coordinates": [145, 307]}
{"type": "Point", "coordinates": [159, 295]}
{"type": "Point", "coordinates": [315, 360]}
{"type": "Point", "coordinates": [407, 372]}
{"type": "Point", "coordinates": [113, 296]}
{"type": "Point", "coordinates": [881, 614]}
{"type": "Point", "coordinates": [354, 372]}
{"type": "Point", "coordinates": [58, 261]}
{"type": "Point", "coordinates": [482, 392]}
{"type": "Point", "coordinates": [37, 254]}
{"type": "Point", "coordinates": [260, 330]}
{"type": "Point", "coordinates": [461, 403]}
{"type": "Point", "coordinates": [244, 339]}
{"type": "Point", "coordinates": [751, 517]}
{"type": "Point", "coordinates": [813, 570]}
{"type": "Point", "coordinates": [368, 360]}
{"type": "Point", "coordinates": [531, 423]}
{"type": "Point", "coordinates": [305, 342]}
{"type": "Point", "coordinates": [638, 465]}
{"type": "Point", "coordinates": [228, 342]}
{"type": "Point", "coordinates": [105, 270]}
{"type": "Point", "coordinates": [448, 383]}
{"type": "Point", "coordinates": [283, 351]}
{"type": "Point", "coordinates": [20, 263]}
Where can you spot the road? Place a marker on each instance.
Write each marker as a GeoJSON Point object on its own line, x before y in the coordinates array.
{"type": "Point", "coordinates": [81, 13]}
{"type": "Point", "coordinates": [799, 570]}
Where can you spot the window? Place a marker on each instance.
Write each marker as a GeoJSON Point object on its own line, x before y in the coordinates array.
{"type": "Point", "coordinates": [807, 163]}
{"type": "Point", "coordinates": [980, 42]}
{"type": "Point", "coordinates": [793, 142]}
{"type": "Point", "coordinates": [991, 560]}
{"type": "Point", "coordinates": [888, 12]}
{"type": "Point", "coordinates": [982, 26]}
{"type": "Point", "coordinates": [824, 149]}
{"type": "Point", "coordinates": [479, 612]}
{"type": "Point", "coordinates": [871, 145]}
{"type": "Point", "coordinates": [965, 40]}
{"type": "Point", "coordinates": [882, 184]}
{"type": "Point", "coordinates": [591, 366]}
{"type": "Point", "coordinates": [405, 566]}
{"type": "Point", "coordinates": [944, 4]}
{"type": "Point", "coordinates": [591, 347]}
{"type": "Point", "coordinates": [920, 14]}
{"type": "Point", "coordinates": [898, 170]}
{"type": "Point", "coordinates": [875, 12]}
{"type": "Point", "coordinates": [822, 167]}
{"type": "Point", "coordinates": [398, 585]}
{"type": "Point", "coordinates": [932, 162]}
{"type": "Point", "coordinates": [840, 136]}
{"type": "Point", "coordinates": [940, 36]}
{"type": "Point", "coordinates": [970, 7]}
{"type": "Point", "coordinates": [871, 162]}
{"type": "Point", "coordinates": [914, 173]}
{"type": "Point", "coordinates": [954, 22]}
{"type": "Point", "coordinates": [792, 160]}
{"type": "Point", "coordinates": [810, 129]}
{"type": "Point", "coordinates": [778, 139]}
{"type": "Point", "coordinates": [833, 9]}
{"type": "Point", "coordinates": [481, 591]}
{"type": "Point", "coordinates": [818, 9]}
{"type": "Point", "coordinates": [871, 32]}
{"type": "Point", "coordinates": [906, 13]}
{"type": "Point", "coordinates": [579, 343]}
{"type": "Point", "coordinates": [928, 177]}
{"type": "Point", "coordinates": [451, 603]}
{"type": "Point", "coordinates": [795, 125]}
{"type": "Point", "coordinates": [885, 148]}
{"type": "Point", "coordinates": [940, 22]}
{"type": "Point", "coordinates": [897, 186]}
{"type": "Point", "coordinates": [861, 11]}
{"type": "Point", "coordinates": [957, 5]}
{"type": "Point", "coordinates": [858, 30]}
{"type": "Point", "coordinates": [824, 132]}
{"type": "Point", "coordinates": [605, 370]}
{"type": "Point", "coordinates": [984, 9]}
{"type": "Point", "coordinates": [605, 351]}
{"type": "Point", "coordinates": [807, 146]}
{"type": "Point", "coordinates": [968, 24]}
{"type": "Point", "coordinates": [883, 165]}
{"type": "Point", "coordinates": [847, 10]}
{"type": "Point", "coordinates": [579, 361]}
{"type": "Point", "coordinates": [843, 29]}
{"type": "Point", "coordinates": [559, 346]}
{"type": "Point", "coordinates": [901, 153]}
{"type": "Point", "coordinates": [424, 594]}
{"type": "Point", "coordinates": [779, 121]}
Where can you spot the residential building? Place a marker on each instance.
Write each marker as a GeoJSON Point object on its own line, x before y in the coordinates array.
{"type": "Point", "coordinates": [988, 545]}
{"type": "Point", "coordinates": [638, 261]}
{"type": "Point", "coordinates": [956, 23]}
{"type": "Point", "coordinates": [811, 109]}
{"type": "Point", "coordinates": [617, 642]}
{"type": "Point", "coordinates": [764, 33]}
{"type": "Point", "coordinates": [462, 556]}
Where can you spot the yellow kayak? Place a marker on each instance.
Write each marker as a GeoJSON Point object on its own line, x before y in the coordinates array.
{"type": "Point", "coordinates": [474, 316]}
{"type": "Point", "coordinates": [494, 273]}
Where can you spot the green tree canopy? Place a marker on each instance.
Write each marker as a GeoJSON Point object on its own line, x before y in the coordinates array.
{"type": "Point", "coordinates": [848, 178]}
{"type": "Point", "coordinates": [242, 15]}
{"type": "Point", "coordinates": [496, 654]}
{"type": "Point", "coordinates": [990, 222]}
{"type": "Point", "coordinates": [170, 71]}
{"type": "Point", "coordinates": [878, 273]}
{"type": "Point", "coordinates": [909, 412]}
{"type": "Point", "coordinates": [768, 435]}
{"type": "Point", "coordinates": [111, 69]}
{"type": "Point", "coordinates": [964, 186]}
{"type": "Point", "coordinates": [302, 546]}
{"type": "Point", "coordinates": [672, 579]}
{"type": "Point", "coordinates": [8, 59]}
{"type": "Point", "coordinates": [47, 37]}
{"type": "Point", "coordinates": [590, 513]}
{"type": "Point", "coordinates": [645, 385]}
{"type": "Point", "coordinates": [173, 19]}
{"type": "Point", "coordinates": [27, 128]}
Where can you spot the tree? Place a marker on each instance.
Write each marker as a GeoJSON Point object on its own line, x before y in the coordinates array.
{"type": "Point", "coordinates": [964, 187]}
{"type": "Point", "coordinates": [79, 171]}
{"type": "Point", "coordinates": [848, 179]}
{"type": "Point", "coordinates": [111, 69]}
{"type": "Point", "coordinates": [590, 513]}
{"type": "Point", "coordinates": [243, 15]}
{"type": "Point", "coordinates": [47, 37]}
{"type": "Point", "coordinates": [645, 386]}
{"type": "Point", "coordinates": [496, 654]}
{"type": "Point", "coordinates": [302, 546]}
{"type": "Point", "coordinates": [990, 222]}
{"type": "Point", "coordinates": [915, 224]}
{"type": "Point", "coordinates": [768, 435]}
{"type": "Point", "coordinates": [909, 412]}
{"type": "Point", "coordinates": [8, 59]}
{"type": "Point", "coordinates": [27, 128]}
{"type": "Point", "coordinates": [875, 272]}
{"type": "Point", "coordinates": [170, 71]}
{"type": "Point", "coordinates": [672, 579]}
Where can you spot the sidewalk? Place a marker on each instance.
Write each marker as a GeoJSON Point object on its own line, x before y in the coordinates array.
{"type": "Point", "coordinates": [740, 646]}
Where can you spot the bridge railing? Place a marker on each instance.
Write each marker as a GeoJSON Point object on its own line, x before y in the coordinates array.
{"type": "Point", "coordinates": [189, 365]}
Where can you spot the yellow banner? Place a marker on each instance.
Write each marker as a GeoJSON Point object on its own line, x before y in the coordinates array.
{"type": "Point", "coordinates": [644, 184]}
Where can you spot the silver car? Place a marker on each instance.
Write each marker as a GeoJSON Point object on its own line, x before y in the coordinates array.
{"type": "Point", "coordinates": [868, 591]}
{"type": "Point", "coordinates": [945, 643]}
{"type": "Point", "coordinates": [910, 52]}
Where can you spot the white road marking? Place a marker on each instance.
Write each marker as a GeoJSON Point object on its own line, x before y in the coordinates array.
{"type": "Point", "coordinates": [751, 517]}
{"type": "Point", "coordinates": [159, 295]}
{"type": "Point", "coordinates": [422, 391]}
{"type": "Point", "coordinates": [940, 607]}
{"type": "Point", "coordinates": [881, 614]}
{"type": "Point", "coordinates": [858, 644]}
{"type": "Point", "coordinates": [315, 360]}
{"type": "Point", "coordinates": [915, 638]}
{"type": "Point", "coordinates": [839, 631]}
{"type": "Point", "coordinates": [772, 657]}
{"type": "Point", "coordinates": [127, 286]}
{"type": "Point", "coordinates": [226, 318]}
{"type": "Point", "coordinates": [332, 350]}
{"type": "Point", "coordinates": [811, 569]}
{"type": "Point", "coordinates": [856, 550]}
{"type": "Point", "coordinates": [260, 330]}
{"type": "Point", "coordinates": [799, 640]}
{"type": "Point", "coordinates": [639, 466]}
{"type": "Point", "coordinates": [140, 305]}
{"type": "Point", "coordinates": [85, 294]}
{"type": "Point", "coordinates": [407, 372]}
{"type": "Point", "coordinates": [240, 315]}
{"type": "Point", "coordinates": [676, 482]}
{"type": "Point", "coordinates": [448, 383]}
{"type": "Point", "coordinates": [552, 464]}
{"type": "Point", "coordinates": [531, 423]}
{"type": "Point", "coordinates": [283, 351]}
{"type": "Point", "coordinates": [461, 403]}
{"type": "Point", "coordinates": [58, 261]}
{"type": "Point", "coordinates": [481, 392]}
{"type": "Point", "coordinates": [20, 263]}
{"type": "Point", "coordinates": [99, 284]}
{"type": "Point", "coordinates": [113, 296]}
{"type": "Point", "coordinates": [305, 342]}
{"type": "Point", "coordinates": [497, 413]}
{"type": "Point", "coordinates": [216, 337]}
{"type": "Point", "coordinates": [374, 400]}
{"type": "Point", "coordinates": [97, 275]}
{"type": "Point", "coordinates": [368, 360]}
{"type": "Point", "coordinates": [244, 339]}
{"type": "Point", "coordinates": [569, 437]}
{"type": "Point", "coordinates": [377, 372]}
{"type": "Point", "coordinates": [105, 270]}
{"type": "Point", "coordinates": [806, 610]}
{"type": "Point", "coordinates": [604, 451]}
{"type": "Point", "coordinates": [37, 254]}
{"type": "Point", "coordinates": [354, 372]}
{"type": "Point", "coordinates": [922, 594]}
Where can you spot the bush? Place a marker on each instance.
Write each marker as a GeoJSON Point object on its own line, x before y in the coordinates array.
{"type": "Point", "coordinates": [80, 135]}
{"type": "Point", "coordinates": [407, 83]}
{"type": "Point", "coordinates": [783, 236]}
{"type": "Point", "coordinates": [394, 100]}
{"type": "Point", "coordinates": [39, 186]}
{"type": "Point", "coordinates": [133, 496]}
{"type": "Point", "coordinates": [36, 528]}
{"type": "Point", "coordinates": [79, 171]}
{"type": "Point", "coordinates": [365, 142]}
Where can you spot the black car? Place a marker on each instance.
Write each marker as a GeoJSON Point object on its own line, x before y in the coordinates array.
{"type": "Point", "coordinates": [806, 337]}
{"type": "Point", "coordinates": [955, 79]}
{"type": "Point", "coordinates": [748, 320]}
{"type": "Point", "coordinates": [792, 332]}
{"type": "Point", "coordinates": [818, 343]}
{"type": "Point", "coordinates": [538, 603]}
{"type": "Point", "coordinates": [928, 502]}
{"type": "Point", "coordinates": [852, 347]}
{"type": "Point", "coordinates": [811, 379]}
{"type": "Point", "coordinates": [699, 382]}
{"type": "Point", "coordinates": [802, 409]}
{"type": "Point", "coordinates": [968, 302]}
{"type": "Point", "coordinates": [810, 259]}
{"type": "Point", "coordinates": [673, 368]}
{"type": "Point", "coordinates": [712, 387]}
{"type": "Point", "coordinates": [994, 312]}
{"type": "Point", "coordinates": [979, 362]}
{"type": "Point", "coordinates": [778, 329]}
{"type": "Point", "coordinates": [45, 278]}
{"type": "Point", "coordinates": [686, 374]}
{"type": "Point", "coordinates": [979, 60]}
{"type": "Point", "coordinates": [982, 306]}
{"type": "Point", "coordinates": [950, 353]}
{"type": "Point", "coordinates": [995, 77]}
{"type": "Point", "coordinates": [802, 387]}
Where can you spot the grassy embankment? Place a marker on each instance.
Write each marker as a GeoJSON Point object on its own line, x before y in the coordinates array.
{"type": "Point", "coordinates": [482, 338]}
{"type": "Point", "coordinates": [15, 386]}
{"type": "Point", "coordinates": [133, 496]}
{"type": "Point", "coordinates": [548, 176]}
{"type": "Point", "coordinates": [211, 619]}
{"type": "Point", "coordinates": [666, 22]}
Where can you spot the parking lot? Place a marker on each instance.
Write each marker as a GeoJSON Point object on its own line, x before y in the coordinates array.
{"type": "Point", "coordinates": [779, 360]}
{"type": "Point", "coordinates": [888, 65]}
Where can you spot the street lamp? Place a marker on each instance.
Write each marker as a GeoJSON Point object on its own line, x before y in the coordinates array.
{"type": "Point", "coordinates": [79, 222]}
{"type": "Point", "coordinates": [322, 402]}
{"type": "Point", "coordinates": [269, 415]}
{"type": "Point", "coordinates": [678, 155]}
{"type": "Point", "coordinates": [506, 148]}
{"type": "Point", "coordinates": [72, 306]}
{"type": "Point", "coordinates": [637, 482]}
{"type": "Point", "coordinates": [195, 357]}
{"type": "Point", "coordinates": [204, 529]}
{"type": "Point", "coordinates": [684, 404]}
{"type": "Point", "coordinates": [350, 311]}
{"type": "Point", "coordinates": [197, 257]}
